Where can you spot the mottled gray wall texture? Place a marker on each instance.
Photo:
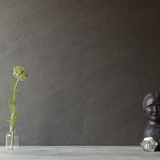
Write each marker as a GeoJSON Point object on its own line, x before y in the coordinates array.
{"type": "Point", "coordinates": [90, 63]}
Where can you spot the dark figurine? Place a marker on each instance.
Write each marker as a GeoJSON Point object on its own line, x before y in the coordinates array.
{"type": "Point", "coordinates": [151, 108]}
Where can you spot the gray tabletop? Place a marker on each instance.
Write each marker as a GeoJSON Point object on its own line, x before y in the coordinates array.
{"type": "Point", "coordinates": [78, 153]}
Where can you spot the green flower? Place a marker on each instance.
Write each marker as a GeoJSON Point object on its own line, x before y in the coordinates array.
{"type": "Point", "coordinates": [20, 73]}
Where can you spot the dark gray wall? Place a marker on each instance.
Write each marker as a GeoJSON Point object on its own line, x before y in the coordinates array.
{"type": "Point", "coordinates": [90, 63]}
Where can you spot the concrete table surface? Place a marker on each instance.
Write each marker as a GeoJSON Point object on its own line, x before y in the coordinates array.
{"type": "Point", "coordinates": [78, 153]}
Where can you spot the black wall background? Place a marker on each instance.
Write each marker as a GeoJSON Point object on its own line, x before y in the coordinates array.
{"type": "Point", "coordinates": [90, 63]}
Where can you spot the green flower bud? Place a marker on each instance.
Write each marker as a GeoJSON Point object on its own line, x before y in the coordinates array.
{"type": "Point", "coordinates": [20, 72]}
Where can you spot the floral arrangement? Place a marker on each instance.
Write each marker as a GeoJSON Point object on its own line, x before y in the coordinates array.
{"type": "Point", "coordinates": [20, 74]}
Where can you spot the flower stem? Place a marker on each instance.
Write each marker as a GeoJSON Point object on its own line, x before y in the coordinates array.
{"type": "Point", "coordinates": [12, 136]}
{"type": "Point", "coordinates": [14, 105]}
{"type": "Point", "coordinates": [12, 114]}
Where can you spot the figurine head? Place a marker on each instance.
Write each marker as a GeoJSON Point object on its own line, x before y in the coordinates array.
{"type": "Point", "coordinates": [151, 106]}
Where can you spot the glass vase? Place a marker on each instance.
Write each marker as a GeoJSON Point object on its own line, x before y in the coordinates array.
{"type": "Point", "coordinates": [12, 140]}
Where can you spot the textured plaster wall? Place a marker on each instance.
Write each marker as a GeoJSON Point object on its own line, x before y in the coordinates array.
{"type": "Point", "coordinates": [90, 63]}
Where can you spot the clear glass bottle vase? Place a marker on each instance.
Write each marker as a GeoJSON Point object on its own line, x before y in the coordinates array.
{"type": "Point", "coordinates": [12, 141]}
